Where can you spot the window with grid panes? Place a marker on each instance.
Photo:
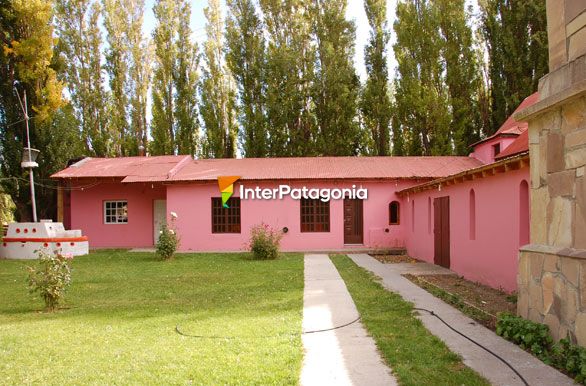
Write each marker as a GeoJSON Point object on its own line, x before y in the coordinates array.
{"type": "Point", "coordinates": [116, 212]}
{"type": "Point", "coordinates": [315, 216]}
{"type": "Point", "coordinates": [226, 220]}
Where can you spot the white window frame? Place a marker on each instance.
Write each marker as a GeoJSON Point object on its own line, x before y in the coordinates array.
{"type": "Point", "coordinates": [111, 212]}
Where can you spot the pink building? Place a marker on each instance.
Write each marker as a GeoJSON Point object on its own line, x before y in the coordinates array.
{"type": "Point", "coordinates": [467, 213]}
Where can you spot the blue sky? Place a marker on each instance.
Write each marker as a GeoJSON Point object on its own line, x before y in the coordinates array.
{"type": "Point", "coordinates": [355, 11]}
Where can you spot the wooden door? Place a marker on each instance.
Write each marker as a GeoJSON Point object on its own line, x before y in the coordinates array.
{"type": "Point", "coordinates": [159, 217]}
{"type": "Point", "coordinates": [441, 231]}
{"type": "Point", "coordinates": [353, 223]}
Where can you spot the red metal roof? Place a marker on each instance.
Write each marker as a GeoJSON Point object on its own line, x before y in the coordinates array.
{"type": "Point", "coordinates": [512, 127]}
{"type": "Point", "coordinates": [134, 168]}
{"type": "Point", "coordinates": [175, 168]}
{"type": "Point", "coordinates": [325, 168]}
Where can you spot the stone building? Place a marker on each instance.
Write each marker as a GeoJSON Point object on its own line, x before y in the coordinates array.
{"type": "Point", "coordinates": [552, 268]}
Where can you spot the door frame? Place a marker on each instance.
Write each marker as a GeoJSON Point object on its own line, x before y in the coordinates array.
{"type": "Point", "coordinates": [357, 211]}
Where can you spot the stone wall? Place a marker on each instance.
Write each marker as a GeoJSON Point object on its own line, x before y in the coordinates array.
{"type": "Point", "coordinates": [552, 268]}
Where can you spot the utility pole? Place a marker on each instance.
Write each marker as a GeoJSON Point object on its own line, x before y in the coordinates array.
{"type": "Point", "coordinates": [30, 162]}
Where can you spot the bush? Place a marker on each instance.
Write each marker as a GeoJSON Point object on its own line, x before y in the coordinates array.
{"type": "Point", "coordinates": [527, 334]}
{"type": "Point", "coordinates": [570, 358]}
{"type": "Point", "coordinates": [50, 277]}
{"type": "Point", "coordinates": [168, 243]}
{"type": "Point", "coordinates": [264, 242]}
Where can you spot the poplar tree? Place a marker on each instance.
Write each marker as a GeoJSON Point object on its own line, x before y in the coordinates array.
{"type": "Point", "coordinates": [217, 91]}
{"type": "Point", "coordinates": [375, 102]}
{"type": "Point", "coordinates": [516, 36]}
{"type": "Point", "coordinates": [290, 65]}
{"type": "Point", "coordinates": [185, 81]}
{"type": "Point", "coordinates": [421, 93]}
{"type": "Point", "coordinates": [336, 85]}
{"type": "Point", "coordinates": [80, 43]}
{"type": "Point", "coordinates": [117, 63]}
{"type": "Point", "coordinates": [246, 59]}
{"type": "Point", "coordinates": [461, 75]}
{"type": "Point", "coordinates": [162, 122]}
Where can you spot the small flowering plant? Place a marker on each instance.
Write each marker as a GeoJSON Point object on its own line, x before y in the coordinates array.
{"type": "Point", "coordinates": [264, 242]}
{"type": "Point", "coordinates": [51, 277]}
{"type": "Point", "coordinates": [168, 240]}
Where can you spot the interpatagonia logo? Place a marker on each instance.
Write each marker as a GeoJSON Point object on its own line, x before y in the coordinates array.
{"type": "Point", "coordinates": [226, 185]}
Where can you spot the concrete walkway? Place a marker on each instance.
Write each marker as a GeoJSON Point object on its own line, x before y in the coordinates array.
{"type": "Point", "coordinates": [532, 369]}
{"type": "Point", "coordinates": [345, 356]}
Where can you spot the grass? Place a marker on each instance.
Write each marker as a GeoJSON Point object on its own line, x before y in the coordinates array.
{"type": "Point", "coordinates": [118, 323]}
{"type": "Point", "coordinates": [415, 355]}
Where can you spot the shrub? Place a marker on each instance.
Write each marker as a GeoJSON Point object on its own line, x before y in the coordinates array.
{"type": "Point", "coordinates": [527, 334]}
{"type": "Point", "coordinates": [168, 243]}
{"type": "Point", "coordinates": [50, 277]}
{"type": "Point", "coordinates": [570, 358]}
{"type": "Point", "coordinates": [264, 242]}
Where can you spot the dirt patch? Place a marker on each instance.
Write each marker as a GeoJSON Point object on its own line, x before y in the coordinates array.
{"type": "Point", "coordinates": [480, 302]}
{"type": "Point", "coordinates": [394, 259]}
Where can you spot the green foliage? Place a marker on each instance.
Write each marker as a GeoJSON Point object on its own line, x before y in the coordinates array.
{"type": "Point", "coordinates": [375, 102]}
{"type": "Point", "coordinates": [336, 87]}
{"type": "Point", "coordinates": [218, 94]}
{"type": "Point", "coordinates": [246, 58]}
{"type": "Point", "coordinates": [535, 338]}
{"type": "Point", "coordinates": [168, 242]}
{"type": "Point", "coordinates": [527, 334]}
{"type": "Point", "coordinates": [570, 358]}
{"type": "Point", "coordinates": [515, 33]}
{"type": "Point", "coordinates": [50, 278]}
{"type": "Point", "coordinates": [290, 75]}
{"type": "Point", "coordinates": [264, 242]}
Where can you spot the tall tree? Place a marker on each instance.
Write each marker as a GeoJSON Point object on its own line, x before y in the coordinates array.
{"type": "Point", "coordinates": [186, 80]}
{"type": "Point", "coordinates": [163, 110]}
{"type": "Point", "coordinates": [462, 73]}
{"type": "Point", "coordinates": [421, 93]}
{"type": "Point", "coordinates": [217, 91]}
{"type": "Point", "coordinates": [375, 102]}
{"type": "Point", "coordinates": [290, 64]}
{"type": "Point", "coordinates": [140, 75]}
{"type": "Point", "coordinates": [337, 85]}
{"type": "Point", "coordinates": [246, 59]}
{"type": "Point", "coordinates": [27, 56]}
{"type": "Point", "coordinates": [516, 35]}
{"type": "Point", "coordinates": [80, 42]}
{"type": "Point", "coordinates": [117, 63]}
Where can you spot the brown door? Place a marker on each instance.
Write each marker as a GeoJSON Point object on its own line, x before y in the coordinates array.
{"type": "Point", "coordinates": [441, 231]}
{"type": "Point", "coordinates": [352, 221]}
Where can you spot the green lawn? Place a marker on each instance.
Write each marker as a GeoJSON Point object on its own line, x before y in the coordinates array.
{"type": "Point", "coordinates": [415, 355]}
{"type": "Point", "coordinates": [118, 324]}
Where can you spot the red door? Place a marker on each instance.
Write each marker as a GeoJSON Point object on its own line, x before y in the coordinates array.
{"type": "Point", "coordinates": [353, 221]}
{"type": "Point", "coordinates": [441, 231]}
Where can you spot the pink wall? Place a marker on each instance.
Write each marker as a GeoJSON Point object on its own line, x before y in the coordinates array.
{"type": "Point", "coordinates": [87, 214]}
{"type": "Point", "coordinates": [491, 258]}
{"type": "Point", "coordinates": [192, 203]}
{"type": "Point", "coordinates": [485, 151]}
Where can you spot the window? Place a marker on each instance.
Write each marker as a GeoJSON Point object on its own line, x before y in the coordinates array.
{"type": "Point", "coordinates": [472, 213]}
{"type": "Point", "coordinates": [496, 149]}
{"type": "Point", "coordinates": [523, 213]}
{"type": "Point", "coordinates": [116, 212]}
{"type": "Point", "coordinates": [315, 216]}
{"type": "Point", "coordinates": [226, 220]}
{"type": "Point", "coordinates": [394, 213]}
{"type": "Point", "coordinates": [413, 216]}
{"type": "Point", "coordinates": [429, 215]}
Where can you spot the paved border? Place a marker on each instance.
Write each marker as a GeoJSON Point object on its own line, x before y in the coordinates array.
{"type": "Point", "coordinates": [531, 368]}
{"type": "Point", "coordinates": [345, 356]}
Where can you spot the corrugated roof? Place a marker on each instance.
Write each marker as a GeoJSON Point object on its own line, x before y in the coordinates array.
{"type": "Point", "coordinates": [140, 168]}
{"type": "Point", "coordinates": [175, 168]}
{"type": "Point", "coordinates": [512, 127]}
{"type": "Point", "coordinates": [325, 168]}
